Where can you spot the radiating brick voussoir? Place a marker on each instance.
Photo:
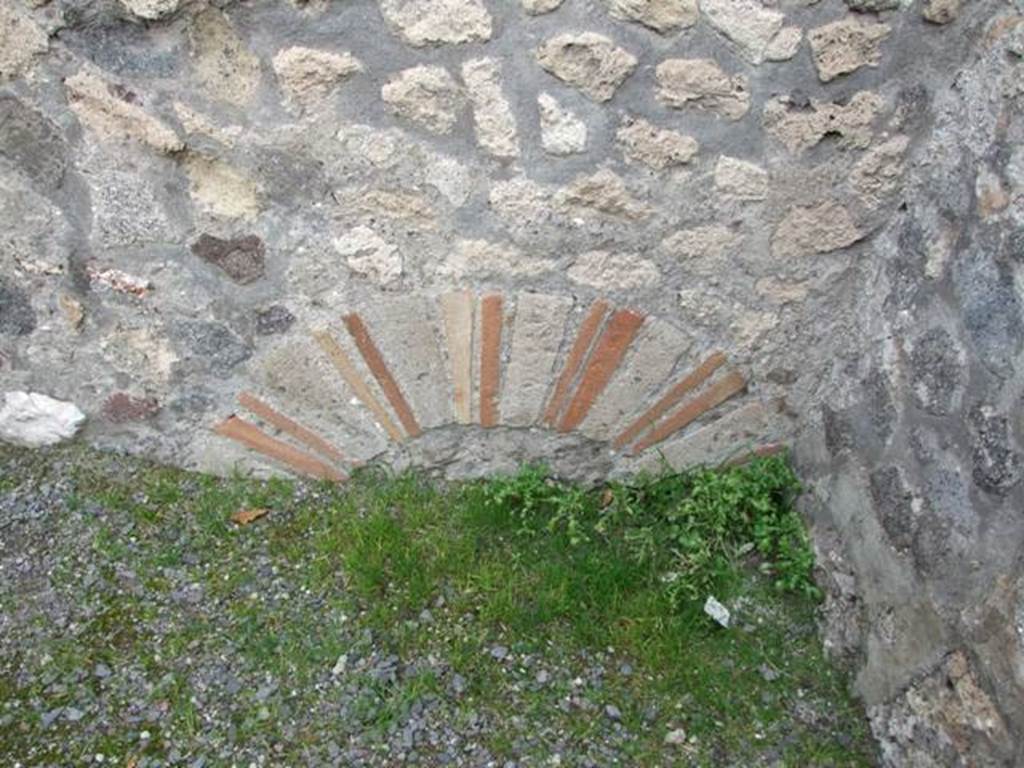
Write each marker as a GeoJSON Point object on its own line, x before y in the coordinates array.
{"type": "Point", "coordinates": [537, 334]}
{"type": "Point", "coordinates": [733, 435]}
{"type": "Point", "coordinates": [604, 360]}
{"type": "Point", "coordinates": [253, 437]}
{"type": "Point", "coordinates": [297, 378]}
{"type": "Point", "coordinates": [457, 320]}
{"type": "Point", "coordinates": [714, 395]}
{"type": "Point", "coordinates": [492, 321]}
{"type": "Point", "coordinates": [647, 365]}
{"type": "Point", "coordinates": [578, 353]}
{"type": "Point", "coordinates": [406, 331]}
{"type": "Point", "coordinates": [289, 426]}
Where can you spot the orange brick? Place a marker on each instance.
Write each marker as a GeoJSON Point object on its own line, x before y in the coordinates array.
{"type": "Point", "coordinates": [607, 354]}
{"type": "Point", "coordinates": [375, 362]}
{"type": "Point", "coordinates": [253, 437]}
{"type": "Point", "coordinates": [713, 396]}
{"type": "Point", "coordinates": [577, 356]}
{"type": "Point", "coordinates": [491, 317]}
{"type": "Point", "coordinates": [289, 426]}
{"type": "Point", "coordinates": [689, 383]}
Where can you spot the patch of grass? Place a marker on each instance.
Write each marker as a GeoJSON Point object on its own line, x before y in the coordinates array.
{"type": "Point", "coordinates": [599, 591]}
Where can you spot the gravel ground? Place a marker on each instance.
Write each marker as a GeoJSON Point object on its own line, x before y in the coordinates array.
{"type": "Point", "coordinates": [140, 627]}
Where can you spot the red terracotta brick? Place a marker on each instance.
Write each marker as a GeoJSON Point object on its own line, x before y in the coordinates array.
{"type": "Point", "coordinates": [491, 316]}
{"type": "Point", "coordinates": [577, 356]}
{"type": "Point", "coordinates": [605, 359]}
{"type": "Point", "coordinates": [379, 369]}
{"type": "Point", "coordinates": [290, 427]}
{"type": "Point", "coordinates": [689, 383]}
{"type": "Point", "coordinates": [253, 437]}
{"type": "Point", "coordinates": [713, 396]}
{"type": "Point", "coordinates": [347, 369]}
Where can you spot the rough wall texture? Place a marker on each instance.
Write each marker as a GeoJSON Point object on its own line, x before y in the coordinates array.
{"type": "Point", "coordinates": [604, 233]}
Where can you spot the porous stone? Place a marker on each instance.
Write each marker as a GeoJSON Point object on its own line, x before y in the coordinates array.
{"type": "Point", "coordinates": [221, 190]}
{"type": "Point", "coordinates": [747, 23]}
{"type": "Point", "coordinates": [114, 113]}
{"type": "Point", "coordinates": [481, 259]}
{"type": "Point", "coordinates": [561, 131]}
{"type": "Point", "coordinates": [604, 192]}
{"type": "Point", "coordinates": [737, 179]}
{"type": "Point", "coordinates": [224, 67]}
{"type": "Point", "coordinates": [657, 148]}
{"type": "Point", "coordinates": [307, 75]}
{"type": "Point", "coordinates": [660, 15]}
{"type": "Point", "coordinates": [151, 10]}
{"type": "Point", "coordinates": [613, 271]}
{"type": "Point", "coordinates": [785, 44]}
{"type": "Point", "coordinates": [21, 40]}
{"type": "Point", "coordinates": [538, 7]}
{"type": "Point", "coordinates": [588, 61]}
{"type": "Point", "coordinates": [801, 126]}
{"type": "Point", "coordinates": [273, 320]}
{"type": "Point", "coordinates": [940, 11]}
{"type": "Point", "coordinates": [520, 200]}
{"type": "Point", "coordinates": [846, 45]}
{"type": "Point", "coordinates": [492, 114]}
{"type": "Point", "coordinates": [241, 258]}
{"type": "Point", "coordinates": [427, 95]}
{"type": "Point", "coordinates": [369, 254]}
{"type": "Point", "coordinates": [650, 360]}
{"type": "Point", "coordinates": [821, 228]}
{"type": "Point", "coordinates": [537, 335]}
{"type": "Point", "coordinates": [703, 249]}
{"type": "Point", "coordinates": [17, 318]}
{"type": "Point", "coordinates": [877, 175]}
{"type": "Point", "coordinates": [703, 84]}
{"type": "Point", "coordinates": [411, 208]}
{"type": "Point", "coordinates": [429, 22]}
{"type": "Point", "coordinates": [32, 420]}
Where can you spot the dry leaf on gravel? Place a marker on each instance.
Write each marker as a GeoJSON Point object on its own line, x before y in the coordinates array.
{"type": "Point", "coordinates": [247, 516]}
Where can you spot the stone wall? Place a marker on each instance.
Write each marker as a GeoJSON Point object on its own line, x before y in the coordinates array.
{"type": "Point", "coordinates": [463, 234]}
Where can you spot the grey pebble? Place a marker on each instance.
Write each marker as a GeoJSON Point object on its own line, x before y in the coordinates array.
{"type": "Point", "coordinates": [499, 652]}
{"type": "Point", "coordinates": [612, 713]}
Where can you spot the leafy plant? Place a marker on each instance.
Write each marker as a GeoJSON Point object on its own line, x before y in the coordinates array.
{"type": "Point", "coordinates": [695, 529]}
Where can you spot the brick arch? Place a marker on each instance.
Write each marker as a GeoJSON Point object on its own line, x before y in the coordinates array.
{"type": "Point", "coordinates": [524, 361]}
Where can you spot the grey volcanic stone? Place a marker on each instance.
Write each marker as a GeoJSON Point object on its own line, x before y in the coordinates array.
{"type": "Point", "coordinates": [937, 372]}
{"type": "Point", "coordinates": [275, 319]}
{"type": "Point", "coordinates": [997, 465]}
{"type": "Point", "coordinates": [16, 315]}
{"type": "Point", "coordinates": [213, 344]}
{"type": "Point", "coordinates": [31, 143]}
